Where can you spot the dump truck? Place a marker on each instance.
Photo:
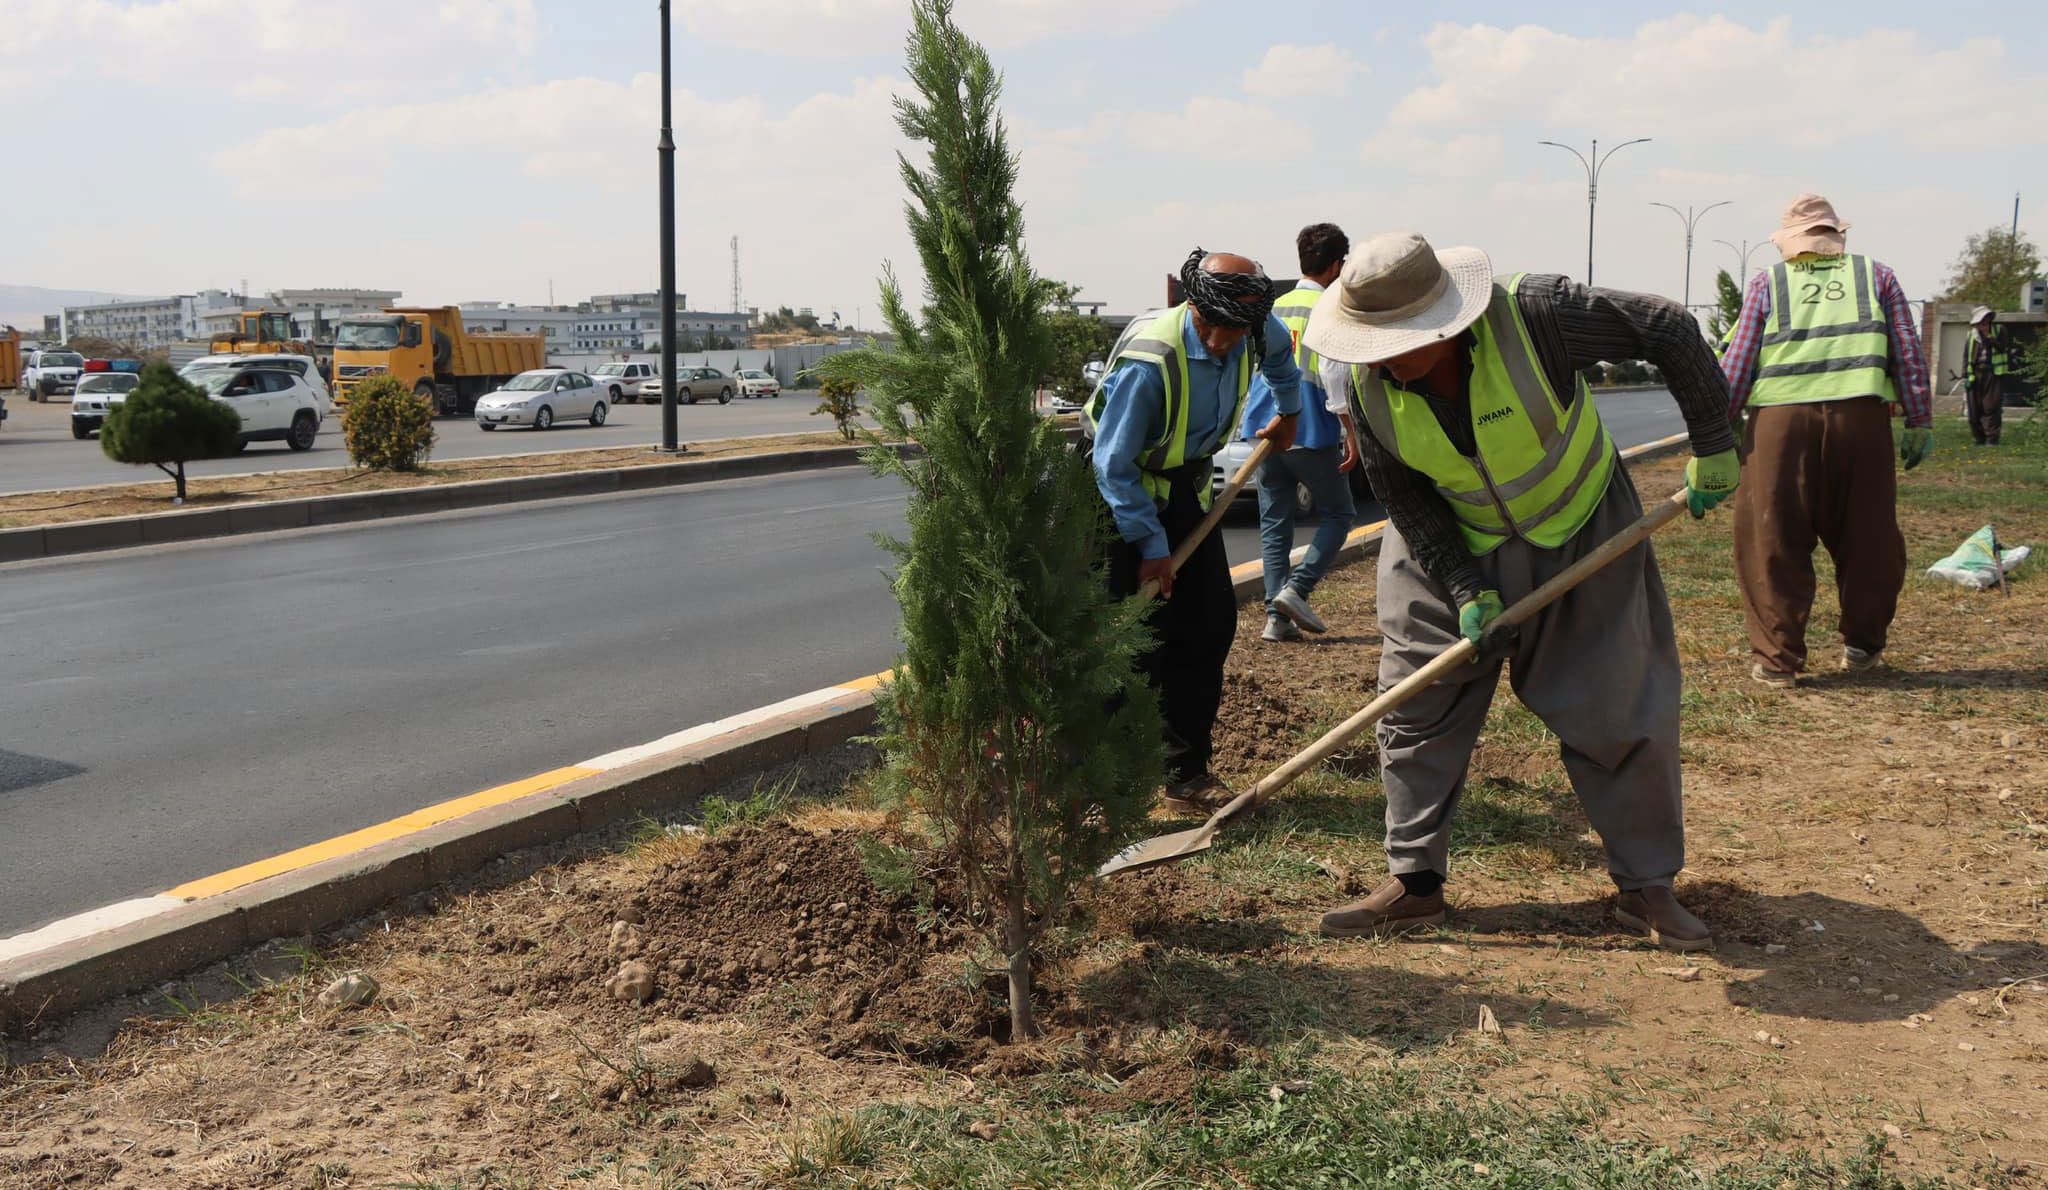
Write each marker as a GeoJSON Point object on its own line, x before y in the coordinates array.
{"type": "Point", "coordinates": [10, 357]}
{"type": "Point", "coordinates": [428, 351]}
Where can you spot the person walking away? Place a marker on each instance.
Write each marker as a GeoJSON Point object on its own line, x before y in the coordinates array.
{"type": "Point", "coordinates": [1323, 452]}
{"type": "Point", "coordinates": [1985, 369]}
{"type": "Point", "coordinates": [1824, 345]}
{"type": "Point", "coordinates": [1497, 473]}
{"type": "Point", "coordinates": [1170, 398]}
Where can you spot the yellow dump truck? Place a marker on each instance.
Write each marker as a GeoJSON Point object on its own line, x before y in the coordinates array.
{"type": "Point", "coordinates": [429, 352]}
{"type": "Point", "coordinates": [10, 357]}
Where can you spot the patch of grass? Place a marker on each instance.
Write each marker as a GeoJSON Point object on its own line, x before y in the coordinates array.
{"type": "Point", "coordinates": [1385, 1128]}
{"type": "Point", "coordinates": [767, 801]}
{"type": "Point", "coordinates": [893, 869]}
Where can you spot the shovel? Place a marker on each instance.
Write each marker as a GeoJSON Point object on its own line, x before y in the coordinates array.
{"type": "Point", "coordinates": [1181, 844]}
{"type": "Point", "coordinates": [1217, 508]}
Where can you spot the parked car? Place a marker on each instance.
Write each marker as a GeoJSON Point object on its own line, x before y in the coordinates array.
{"type": "Point", "coordinates": [46, 373]}
{"type": "Point", "coordinates": [276, 404]}
{"type": "Point", "coordinates": [756, 383]}
{"type": "Point", "coordinates": [623, 382]}
{"type": "Point", "coordinates": [692, 383]}
{"type": "Point", "coordinates": [98, 394]}
{"type": "Point", "coordinates": [541, 398]}
{"type": "Point", "coordinates": [1237, 450]}
{"type": "Point", "coordinates": [302, 366]}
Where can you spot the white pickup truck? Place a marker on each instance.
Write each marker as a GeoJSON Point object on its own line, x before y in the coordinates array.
{"type": "Point", "coordinates": [47, 373]}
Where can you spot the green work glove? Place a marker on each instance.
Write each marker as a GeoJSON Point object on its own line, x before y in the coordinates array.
{"type": "Point", "coordinates": [1915, 445]}
{"type": "Point", "coordinates": [1473, 617]}
{"type": "Point", "coordinates": [1710, 480]}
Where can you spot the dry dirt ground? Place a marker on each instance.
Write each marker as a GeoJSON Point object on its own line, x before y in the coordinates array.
{"type": "Point", "coordinates": [60, 507]}
{"type": "Point", "coordinates": [1870, 851]}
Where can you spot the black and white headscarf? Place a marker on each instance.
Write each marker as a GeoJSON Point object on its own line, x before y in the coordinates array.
{"type": "Point", "coordinates": [1230, 299]}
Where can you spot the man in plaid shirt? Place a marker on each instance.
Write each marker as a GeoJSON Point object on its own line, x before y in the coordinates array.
{"type": "Point", "coordinates": [1824, 346]}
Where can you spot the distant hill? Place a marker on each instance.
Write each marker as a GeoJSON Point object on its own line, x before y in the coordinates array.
{"type": "Point", "coordinates": [24, 305]}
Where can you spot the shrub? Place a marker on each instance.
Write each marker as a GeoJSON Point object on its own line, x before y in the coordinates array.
{"type": "Point", "coordinates": [386, 427]}
{"type": "Point", "coordinates": [167, 422]}
{"type": "Point", "coordinates": [842, 402]}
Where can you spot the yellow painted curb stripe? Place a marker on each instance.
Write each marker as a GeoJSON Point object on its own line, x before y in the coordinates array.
{"type": "Point", "coordinates": [357, 840]}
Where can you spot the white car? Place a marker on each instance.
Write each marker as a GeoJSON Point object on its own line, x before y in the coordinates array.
{"type": "Point", "coordinates": [276, 404]}
{"type": "Point", "coordinates": [541, 398]}
{"type": "Point", "coordinates": [98, 394]}
{"type": "Point", "coordinates": [45, 374]}
{"type": "Point", "coordinates": [756, 383]}
{"type": "Point", "coordinates": [301, 366]}
{"type": "Point", "coordinates": [623, 382]}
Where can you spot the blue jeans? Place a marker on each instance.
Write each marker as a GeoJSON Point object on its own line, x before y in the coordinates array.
{"type": "Point", "coordinates": [1329, 489]}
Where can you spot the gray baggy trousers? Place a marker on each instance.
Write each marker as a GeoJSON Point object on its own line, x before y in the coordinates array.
{"type": "Point", "coordinates": [1599, 667]}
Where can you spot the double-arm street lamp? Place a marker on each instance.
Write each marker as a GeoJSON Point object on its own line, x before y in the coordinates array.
{"type": "Point", "coordinates": [1691, 219]}
{"type": "Point", "coordinates": [1743, 252]}
{"type": "Point", "coordinates": [1593, 162]}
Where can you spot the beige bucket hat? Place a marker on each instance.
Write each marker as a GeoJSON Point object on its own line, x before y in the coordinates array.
{"type": "Point", "coordinates": [1397, 294]}
{"type": "Point", "coordinates": [1810, 225]}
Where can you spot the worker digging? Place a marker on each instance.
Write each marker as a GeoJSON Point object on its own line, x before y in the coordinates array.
{"type": "Point", "coordinates": [1497, 474]}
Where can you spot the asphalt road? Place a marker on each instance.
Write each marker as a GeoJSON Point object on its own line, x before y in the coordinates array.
{"type": "Point", "coordinates": [37, 451]}
{"type": "Point", "coordinates": [175, 711]}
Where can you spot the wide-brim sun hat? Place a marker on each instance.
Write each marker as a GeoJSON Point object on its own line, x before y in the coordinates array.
{"type": "Point", "coordinates": [1396, 294]}
{"type": "Point", "coordinates": [1810, 225]}
{"type": "Point", "coordinates": [1980, 314]}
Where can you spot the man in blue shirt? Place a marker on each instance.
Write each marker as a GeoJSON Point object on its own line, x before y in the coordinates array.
{"type": "Point", "coordinates": [1171, 398]}
{"type": "Point", "coordinates": [1325, 447]}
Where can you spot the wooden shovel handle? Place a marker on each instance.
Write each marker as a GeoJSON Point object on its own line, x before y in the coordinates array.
{"type": "Point", "coordinates": [1217, 508]}
{"type": "Point", "coordinates": [1458, 654]}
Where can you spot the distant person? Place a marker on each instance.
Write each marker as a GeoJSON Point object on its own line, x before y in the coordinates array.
{"type": "Point", "coordinates": [1325, 447]}
{"type": "Point", "coordinates": [1170, 400]}
{"type": "Point", "coordinates": [1824, 345]}
{"type": "Point", "coordinates": [1987, 371]}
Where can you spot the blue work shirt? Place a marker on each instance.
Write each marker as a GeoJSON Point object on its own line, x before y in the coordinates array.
{"type": "Point", "coordinates": [1134, 415]}
{"type": "Point", "coordinates": [1318, 426]}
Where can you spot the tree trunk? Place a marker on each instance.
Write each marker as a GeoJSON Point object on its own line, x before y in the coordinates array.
{"type": "Point", "coordinates": [181, 481]}
{"type": "Point", "coordinates": [1023, 1024]}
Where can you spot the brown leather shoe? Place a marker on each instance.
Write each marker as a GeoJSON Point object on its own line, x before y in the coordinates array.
{"type": "Point", "coordinates": [1197, 797]}
{"type": "Point", "coordinates": [1389, 910]}
{"type": "Point", "coordinates": [1656, 912]}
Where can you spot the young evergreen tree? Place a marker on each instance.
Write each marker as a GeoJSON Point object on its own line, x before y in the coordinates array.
{"type": "Point", "coordinates": [1727, 306]}
{"type": "Point", "coordinates": [1015, 720]}
{"type": "Point", "coordinates": [167, 422]}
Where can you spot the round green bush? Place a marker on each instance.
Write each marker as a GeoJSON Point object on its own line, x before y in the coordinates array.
{"type": "Point", "coordinates": [387, 427]}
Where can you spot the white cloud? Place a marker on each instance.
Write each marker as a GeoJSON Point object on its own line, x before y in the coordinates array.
{"type": "Point", "coordinates": [849, 28]}
{"type": "Point", "coordinates": [1303, 70]}
{"type": "Point", "coordinates": [1206, 124]}
{"type": "Point", "coordinates": [1463, 155]}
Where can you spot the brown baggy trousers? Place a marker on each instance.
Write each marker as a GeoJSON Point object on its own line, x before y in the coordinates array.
{"type": "Point", "coordinates": [1820, 473]}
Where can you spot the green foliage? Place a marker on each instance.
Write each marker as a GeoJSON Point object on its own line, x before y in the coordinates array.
{"type": "Point", "coordinates": [786, 320]}
{"type": "Point", "coordinates": [893, 869]}
{"type": "Point", "coordinates": [1076, 339]}
{"type": "Point", "coordinates": [386, 427]}
{"type": "Point", "coordinates": [167, 422]}
{"type": "Point", "coordinates": [1991, 268]}
{"type": "Point", "coordinates": [841, 403]}
{"type": "Point", "coordinates": [1015, 719]}
{"type": "Point", "coordinates": [766, 801]}
{"type": "Point", "coordinates": [1727, 306]}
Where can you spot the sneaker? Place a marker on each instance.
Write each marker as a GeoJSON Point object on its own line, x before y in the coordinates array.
{"type": "Point", "coordinates": [1856, 660]}
{"type": "Point", "coordinates": [1777, 679]}
{"type": "Point", "coordinates": [1198, 797]}
{"type": "Point", "coordinates": [1389, 910]}
{"type": "Point", "coordinates": [1279, 628]}
{"type": "Point", "coordinates": [1289, 603]}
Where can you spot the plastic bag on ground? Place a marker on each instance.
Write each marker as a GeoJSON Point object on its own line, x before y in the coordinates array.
{"type": "Point", "coordinates": [1973, 564]}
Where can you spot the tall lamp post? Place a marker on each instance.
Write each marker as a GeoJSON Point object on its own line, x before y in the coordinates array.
{"type": "Point", "coordinates": [1691, 219]}
{"type": "Point", "coordinates": [667, 154]}
{"type": "Point", "coordinates": [1743, 252]}
{"type": "Point", "coordinates": [1593, 164]}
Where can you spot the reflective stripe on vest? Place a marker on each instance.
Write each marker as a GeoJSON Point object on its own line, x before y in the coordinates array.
{"type": "Point", "coordinates": [1162, 345]}
{"type": "Point", "coordinates": [1530, 478]}
{"type": "Point", "coordinates": [1293, 309]}
{"type": "Point", "coordinates": [1826, 338]}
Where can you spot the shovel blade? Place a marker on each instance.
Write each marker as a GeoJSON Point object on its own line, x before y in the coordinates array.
{"type": "Point", "coordinates": [1161, 849]}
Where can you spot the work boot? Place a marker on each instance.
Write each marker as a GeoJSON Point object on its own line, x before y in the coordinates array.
{"type": "Point", "coordinates": [1292, 604]}
{"type": "Point", "coordinates": [1197, 797]}
{"type": "Point", "coordinates": [1391, 909]}
{"type": "Point", "coordinates": [1777, 679]}
{"type": "Point", "coordinates": [1656, 912]}
{"type": "Point", "coordinates": [1856, 660]}
{"type": "Point", "coordinates": [1279, 628]}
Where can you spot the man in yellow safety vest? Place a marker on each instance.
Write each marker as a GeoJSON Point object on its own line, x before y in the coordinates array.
{"type": "Point", "coordinates": [1497, 473]}
{"type": "Point", "coordinates": [1987, 364]}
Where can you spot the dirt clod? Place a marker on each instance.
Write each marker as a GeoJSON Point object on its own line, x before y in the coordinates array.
{"type": "Point", "coordinates": [633, 982]}
{"type": "Point", "coordinates": [354, 990]}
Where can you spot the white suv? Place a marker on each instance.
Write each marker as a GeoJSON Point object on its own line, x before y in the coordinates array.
{"type": "Point", "coordinates": [276, 403]}
{"type": "Point", "coordinates": [300, 365]}
{"type": "Point", "coordinates": [51, 373]}
{"type": "Point", "coordinates": [99, 394]}
{"type": "Point", "coordinates": [620, 382]}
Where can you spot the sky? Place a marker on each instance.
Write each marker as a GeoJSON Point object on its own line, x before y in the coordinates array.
{"type": "Point", "coordinates": [466, 150]}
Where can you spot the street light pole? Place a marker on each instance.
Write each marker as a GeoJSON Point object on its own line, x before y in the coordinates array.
{"type": "Point", "coordinates": [1691, 219]}
{"type": "Point", "coordinates": [667, 154]}
{"type": "Point", "coordinates": [1743, 253]}
{"type": "Point", "coordinates": [1593, 164]}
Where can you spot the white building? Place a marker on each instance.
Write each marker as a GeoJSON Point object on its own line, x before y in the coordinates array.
{"type": "Point", "coordinates": [556, 324]}
{"type": "Point", "coordinates": [615, 330]}
{"type": "Point", "coordinates": [148, 323]}
{"type": "Point", "coordinates": [316, 311]}
{"type": "Point", "coordinates": [695, 326]}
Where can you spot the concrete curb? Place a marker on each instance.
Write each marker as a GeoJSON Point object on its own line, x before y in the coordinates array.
{"type": "Point", "coordinates": [65, 976]}
{"type": "Point", "coordinates": [76, 537]}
